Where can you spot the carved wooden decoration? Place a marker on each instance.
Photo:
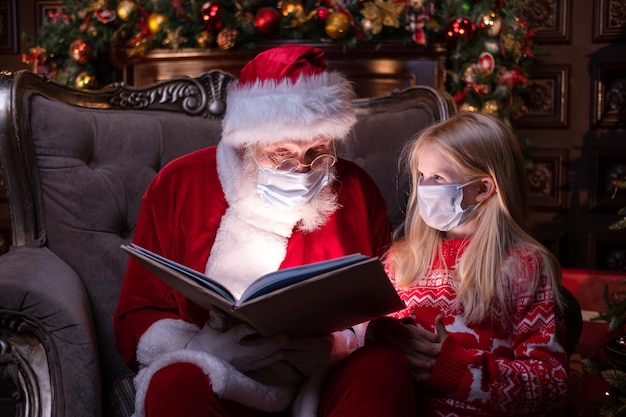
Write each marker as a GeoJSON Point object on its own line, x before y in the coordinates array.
{"type": "Point", "coordinates": [547, 177]}
{"type": "Point", "coordinates": [548, 103]}
{"type": "Point", "coordinates": [609, 21]}
{"type": "Point", "coordinates": [609, 95]}
{"type": "Point", "coordinates": [8, 27]}
{"type": "Point", "coordinates": [550, 19]}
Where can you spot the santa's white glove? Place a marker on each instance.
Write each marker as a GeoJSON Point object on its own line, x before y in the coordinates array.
{"type": "Point", "coordinates": [241, 346]}
{"type": "Point", "coordinates": [307, 353]}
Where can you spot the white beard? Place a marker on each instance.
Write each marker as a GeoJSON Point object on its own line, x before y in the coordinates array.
{"type": "Point", "coordinates": [252, 238]}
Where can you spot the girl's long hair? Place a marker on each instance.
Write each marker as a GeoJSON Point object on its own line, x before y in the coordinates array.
{"type": "Point", "coordinates": [478, 145]}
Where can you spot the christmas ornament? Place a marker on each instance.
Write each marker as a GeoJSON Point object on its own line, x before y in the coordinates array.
{"type": "Point", "coordinates": [59, 15]}
{"type": "Point", "coordinates": [486, 62]}
{"type": "Point", "coordinates": [512, 46]}
{"type": "Point", "coordinates": [138, 48]}
{"type": "Point", "coordinates": [227, 38]}
{"type": "Point", "coordinates": [80, 51]}
{"type": "Point", "coordinates": [85, 80]}
{"type": "Point", "coordinates": [212, 13]}
{"type": "Point", "coordinates": [204, 39]}
{"type": "Point", "coordinates": [337, 25]}
{"type": "Point", "coordinates": [105, 15]}
{"type": "Point", "coordinates": [156, 21]}
{"type": "Point", "coordinates": [125, 9]}
{"type": "Point", "coordinates": [370, 27]}
{"type": "Point", "coordinates": [267, 21]}
{"type": "Point", "coordinates": [460, 28]}
{"type": "Point", "coordinates": [385, 12]}
{"type": "Point", "coordinates": [481, 89]}
{"type": "Point", "coordinates": [416, 18]}
{"type": "Point", "coordinates": [469, 75]}
{"type": "Point", "coordinates": [372, 22]}
{"type": "Point", "coordinates": [322, 14]}
{"type": "Point", "coordinates": [468, 107]}
{"type": "Point", "coordinates": [491, 46]}
{"type": "Point", "coordinates": [491, 23]}
{"type": "Point", "coordinates": [174, 39]}
{"type": "Point", "coordinates": [288, 7]}
{"type": "Point", "coordinates": [491, 107]}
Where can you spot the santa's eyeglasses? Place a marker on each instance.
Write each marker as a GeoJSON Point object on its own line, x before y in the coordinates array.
{"type": "Point", "coordinates": [291, 164]}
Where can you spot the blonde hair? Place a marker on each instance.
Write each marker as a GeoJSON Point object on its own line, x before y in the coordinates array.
{"type": "Point", "coordinates": [478, 145]}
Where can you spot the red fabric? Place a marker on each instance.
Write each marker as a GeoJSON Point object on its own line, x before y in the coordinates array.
{"type": "Point", "coordinates": [190, 386]}
{"type": "Point", "coordinates": [374, 381]}
{"type": "Point", "coordinates": [287, 61]}
{"type": "Point", "coordinates": [179, 217]}
{"type": "Point", "coordinates": [495, 367]}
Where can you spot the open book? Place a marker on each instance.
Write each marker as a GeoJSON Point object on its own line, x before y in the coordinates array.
{"type": "Point", "coordinates": [314, 299]}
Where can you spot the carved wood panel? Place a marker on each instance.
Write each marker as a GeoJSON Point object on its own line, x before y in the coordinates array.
{"type": "Point", "coordinates": [547, 177]}
{"type": "Point", "coordinates": [608, 166]}
{"type": "Point", "coordinates": [551, 20]}
{"type": "Point", "coordinates": [609, 95]}
{"type": "Point", "coordinates": [547, 106]}
{"type": "Point", "coordinates": [609, 21]}
{"type": "Point", "coordinates": [8, 27]}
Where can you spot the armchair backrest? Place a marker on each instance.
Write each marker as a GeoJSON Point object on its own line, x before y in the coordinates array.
{"type": "Point", "coordinates": [76, 164]}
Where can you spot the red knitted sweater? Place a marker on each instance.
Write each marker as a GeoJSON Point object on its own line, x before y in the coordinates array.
{"type": "Point", "coordinates": [498, 367]}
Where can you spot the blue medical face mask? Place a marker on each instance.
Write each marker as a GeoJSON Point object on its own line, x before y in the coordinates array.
{"type": "Point", "coordinates": [290, 191]}
{"type": "Point", "coordinates": [440, 205]}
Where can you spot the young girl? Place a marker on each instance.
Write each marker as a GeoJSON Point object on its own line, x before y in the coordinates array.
{"type": "Point", "coordinates": [483, 330]}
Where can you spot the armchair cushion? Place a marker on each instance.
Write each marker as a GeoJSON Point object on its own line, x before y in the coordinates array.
{"type": "Point", "coordinates": [47, 294]}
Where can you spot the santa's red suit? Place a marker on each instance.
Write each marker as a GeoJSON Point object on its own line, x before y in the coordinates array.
{"type": "Point", "coordinates": [181, 215]}
{"type": "Point", "coordinates": [202, 210]}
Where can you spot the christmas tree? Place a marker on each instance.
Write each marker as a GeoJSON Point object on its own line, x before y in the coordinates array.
{"type": "Point", "coordinates": [489, 44]}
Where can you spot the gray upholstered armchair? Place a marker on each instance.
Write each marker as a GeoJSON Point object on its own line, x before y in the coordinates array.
{"type": "Point", "coordinates": [75, 165]}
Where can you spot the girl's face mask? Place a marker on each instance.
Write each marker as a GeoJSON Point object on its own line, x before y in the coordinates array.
{"type": "Point", "coordinates": [440, 205]}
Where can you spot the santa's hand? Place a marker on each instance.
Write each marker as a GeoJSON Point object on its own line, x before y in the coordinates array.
{"type": "Point", "coordinates": [307, 353]}
{"type": "Point", "coordinates": [242, 346]}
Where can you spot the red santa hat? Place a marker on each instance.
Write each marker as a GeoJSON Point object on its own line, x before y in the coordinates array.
{"type": "Point", "coordinates": [287, 93]}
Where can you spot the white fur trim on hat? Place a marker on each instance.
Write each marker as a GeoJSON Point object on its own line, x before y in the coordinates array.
{"type": "Point", "coordinates": [270, 111]}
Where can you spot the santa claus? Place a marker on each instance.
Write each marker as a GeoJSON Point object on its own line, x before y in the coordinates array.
{"type": "Point", "coordinates": [272, 194]}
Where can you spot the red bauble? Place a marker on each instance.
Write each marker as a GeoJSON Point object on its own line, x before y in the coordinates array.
{"type": "Point", "coordinates": [211, 13]}
{"type": "Point", "coordinates": [80, 51]}
{"type": "Point", "coordinates": [267, 21]}
{"type": "Point", "coordinates": [322, 13]}
{"type": "Point", "coordinates": [459, 28]}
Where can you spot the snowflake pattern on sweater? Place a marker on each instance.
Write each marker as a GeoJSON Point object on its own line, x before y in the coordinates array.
{"type": "Point", "coordinates": [498, 367]}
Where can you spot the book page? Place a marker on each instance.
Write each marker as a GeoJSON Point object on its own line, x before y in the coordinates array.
{"type": "Point", "coordinates": [289, 276]}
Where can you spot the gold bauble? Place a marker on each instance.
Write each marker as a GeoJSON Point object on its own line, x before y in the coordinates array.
{"type": "Point", "coordinates": [467, 107]}
{"type": "Point", "coordinates": [85, 80]}
{"type": "Point", "coordinates": [288, 8]}
{"type": "Point", "coordinates": [337, 25]}
{"type": "Point", "coordinates": [491, 107]}
{"type": "Point", "coordinates": [125, 8]}
{"type": "Point", "coordinates": [227, 38]}
{"type": "Point", "coordinates": [156, 22]}
{"type": "Point", "coordinates": [204, 39]}
{"type": "Point", "coordinates": [492, 23]}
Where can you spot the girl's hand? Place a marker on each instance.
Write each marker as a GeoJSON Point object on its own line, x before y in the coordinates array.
{"type": "Point", "coordinates": [420, 346]}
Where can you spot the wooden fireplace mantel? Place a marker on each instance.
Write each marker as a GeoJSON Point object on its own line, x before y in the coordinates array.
{"type": "Point", "coordinates": [375, 69]}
